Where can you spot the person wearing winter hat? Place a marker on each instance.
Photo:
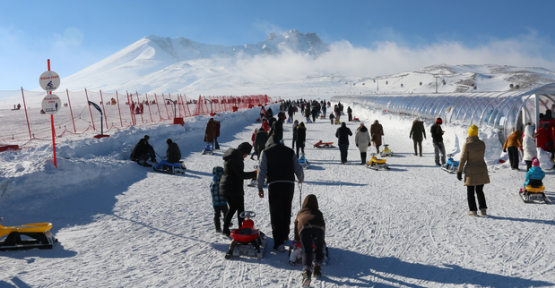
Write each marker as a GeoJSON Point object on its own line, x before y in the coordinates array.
{"type": "Point", "coordinates": [475, 171]}
{"type": "Point", "coordinates": [231, 184]}
{"type": "Point", "coordinates": [279, 164]}
{"type": "Point", "coordinates": [529, 146]}
{"type": "Point", "coordinates": [534, 176]}
{"type": "Point", "coordinates": [437, 139]}
{"type": "Point", "coordinates": [512, 144]}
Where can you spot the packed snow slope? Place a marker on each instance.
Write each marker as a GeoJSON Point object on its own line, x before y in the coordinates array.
{"type": "Point", "coordinates": [123, 225]}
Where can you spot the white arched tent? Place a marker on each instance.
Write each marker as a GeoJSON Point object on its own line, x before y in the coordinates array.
{"type": "Point", "coordinates": [504, 111]}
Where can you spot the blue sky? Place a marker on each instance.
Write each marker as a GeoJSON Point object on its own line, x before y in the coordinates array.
{"type": "Point", "coordinates": [77, 34]}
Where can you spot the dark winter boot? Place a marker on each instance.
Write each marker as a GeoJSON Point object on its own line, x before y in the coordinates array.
{"type": "Point", "coordinates": [307, 278]}
{"type": "Point", "coordinates": [363, 158]}
{"type": "Point", "coordinates": [317, 271]}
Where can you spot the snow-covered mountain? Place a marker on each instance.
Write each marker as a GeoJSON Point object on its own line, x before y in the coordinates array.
{"type": "Point", "coordinates": [169, 65]}
{"type": "Point", "coordinates": [290, 64]}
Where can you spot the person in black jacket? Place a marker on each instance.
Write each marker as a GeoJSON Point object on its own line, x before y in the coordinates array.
{"type": "Point", "coordinates": [343, 134]}
{"type": "Point", "coordinates": [300, 138]}
{"type": "Point", "coordinates": [173, 154]}
{"type": "Point", "coordinates": [260, 141]}
{"type": "Point", "coordinates": [277, 129]}
{"type": "Point", "coordinates": [142, 151]}
{"type": "Point", "coordinates": [279, 164]}
{"type": "Point", "coordinates": [437, 138]}
{"type": "Point", "coordinates": [231, 184]}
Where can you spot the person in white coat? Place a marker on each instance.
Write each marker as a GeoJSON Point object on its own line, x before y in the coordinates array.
{"type": "Point", "coordinates": [363, 141]}
{"type": "Point", "coordinates": [529, 146]}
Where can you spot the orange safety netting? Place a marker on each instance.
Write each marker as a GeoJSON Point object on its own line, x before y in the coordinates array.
{"type": "Point", "coordinates": [119, 111]}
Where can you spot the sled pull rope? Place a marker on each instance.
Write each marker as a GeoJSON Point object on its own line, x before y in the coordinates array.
{"type": "Point", "coordinates": [300, 195]}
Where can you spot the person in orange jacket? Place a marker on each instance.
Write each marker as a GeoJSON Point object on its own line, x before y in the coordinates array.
{"type": "Point", "coordinates": [512, 144]}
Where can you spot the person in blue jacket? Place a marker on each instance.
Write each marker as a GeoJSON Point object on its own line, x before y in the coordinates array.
{"type": "Point", "coordinates": [534, 176]}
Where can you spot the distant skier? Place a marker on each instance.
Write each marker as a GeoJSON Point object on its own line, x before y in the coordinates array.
{"type": "Point", "coordinates": [310, 228]}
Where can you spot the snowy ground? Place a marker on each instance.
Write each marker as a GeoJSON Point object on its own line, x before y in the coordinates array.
{"type": "Point", "coordinates": [122, 225]}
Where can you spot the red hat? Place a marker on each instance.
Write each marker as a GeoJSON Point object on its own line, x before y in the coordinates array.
{"type": "Point", "coordinates": [439, 121]}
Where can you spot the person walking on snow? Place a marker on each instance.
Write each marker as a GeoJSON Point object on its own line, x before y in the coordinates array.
{"type": "Point", "coordinates": [231, 184]}
{"type": "Point", "coordinates": [210, 132]}
{"type": "Point", "coordinates": [279, 165]}
{"type": "Point", "coordinates": [376, 133]}
{"type": "Point", "coordinates": [300, 137]}
{"type": "Point", "coordinates": [475, 171]}
{"type": "Point", "coordinates": [416, 133]}
{"type": "Point", "coordinates": [529, 146]}
{"type": "Point", "coordinates": [342, 134]}
{"type": "Point", "coordinates": [362, 140]}
{"type": "Point", "coordinates": [437, 138]}
{"type": "Point", "coordinates": [512, 144]}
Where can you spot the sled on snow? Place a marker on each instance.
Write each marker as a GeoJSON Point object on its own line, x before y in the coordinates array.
{"type": "Point", "coordinates": [377, 164]}
{"type": "Point", "coordinates": [27, 236]}
{"type": "Point", "coordinates": [296, 253]}
{"type": "Point", "coordinates": [207, 150]}
{"type": "Point", "coordinates": [533, 194]}
{"type": "Point", "coordinates": [304, 162]}
{"type": "Point", "coordinates": [247, 241]}
{"type": "Point", "coordinates": [451, 166]}
{"type": "Point", "coordinates": [172, 168]}
{"type": "Point", "coordinates": [321, 144]}
{"type": "Point", "coordinates": [386, 152]}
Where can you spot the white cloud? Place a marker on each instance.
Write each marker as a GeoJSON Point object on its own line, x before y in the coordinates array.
{"type": "Point", "coordinates": [388, 57]}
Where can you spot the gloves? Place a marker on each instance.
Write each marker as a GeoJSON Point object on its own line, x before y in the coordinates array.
{"type": "Point", "coordinates": [505, 150]}
{"type": "Point", "coordinates": [459, 176]}
{"type": "Point", "coordinates": [357, 144]}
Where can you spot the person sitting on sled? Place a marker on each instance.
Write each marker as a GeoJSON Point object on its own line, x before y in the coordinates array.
{"type": "Point", "coordinates": [310, 230]}
{"type": "Point", "coordinates": [173, 154]}
{"type": "Point", "coordinates": [534, 176]}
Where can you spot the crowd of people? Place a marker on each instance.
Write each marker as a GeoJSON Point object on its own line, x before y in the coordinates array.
{"type": "Point", "coordinates": [280, 169]}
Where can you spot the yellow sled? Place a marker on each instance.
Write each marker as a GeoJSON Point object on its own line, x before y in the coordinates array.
{"type": "Point", "coordinates": [377, 164]}
{"type": "Point", "coordinates": [27, 236]}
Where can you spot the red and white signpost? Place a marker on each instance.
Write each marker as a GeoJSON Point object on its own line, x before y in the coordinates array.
{"type": "Point", "coordinates": [50, 81]}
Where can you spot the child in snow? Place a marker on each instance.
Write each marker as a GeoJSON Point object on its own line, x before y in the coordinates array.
{"type": "Point", "coordinates": [310, 230]}
{"type": "Point", "coordinates": [218, 202]}
{"type": "Point", "coordinates": [331, 118]}
{"type": "Point", "coordinates": [534, 176]}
